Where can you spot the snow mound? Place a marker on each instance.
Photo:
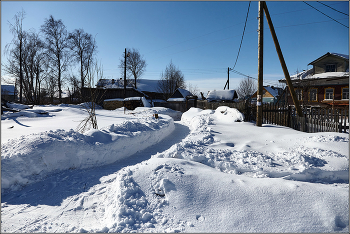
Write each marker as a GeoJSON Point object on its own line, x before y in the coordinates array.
{"type": "Point", "coordinates": [32, 157]}
{"type": "Point", "coordinates": [228, 115]}
{"type": "Point", "coordinates": [308, 163]}
{"type": "Point", "coordinates": [176, 115]}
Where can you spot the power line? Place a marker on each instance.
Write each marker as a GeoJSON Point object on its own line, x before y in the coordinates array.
{"type": "Point", "coordinates": [333, 8]}
{"type": "Point", "coordinates": [325, 14]}
{"type": "Point", "coordinates": [245, 24]}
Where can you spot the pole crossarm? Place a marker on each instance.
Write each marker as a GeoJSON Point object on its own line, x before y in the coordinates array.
{"type": "Point", "coordinates": [283, 63]}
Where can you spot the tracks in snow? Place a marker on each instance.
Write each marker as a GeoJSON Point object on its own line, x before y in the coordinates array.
{"type": "Point", "coordinates": [55, 188]}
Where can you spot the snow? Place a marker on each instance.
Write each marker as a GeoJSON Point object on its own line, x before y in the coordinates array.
{"type": "Point", "coordinates": [346, 56]}
{"type": "Point", "coordinates": [147, 85]}
{"type": "Point", "coordinates": [329, 75]}
{"type": "Point", "coordinates": [176, 100]}
{"type": "Point", "coordinates": [209, 172]}
{"type": "Point", "coordinates": [185, 92]}
{"type": "Point", "coordinates": [227, 95]}
{"type": "Point", "coordinates": [142, 84]}
{"type": "Point", "coordinates": [308, 75]}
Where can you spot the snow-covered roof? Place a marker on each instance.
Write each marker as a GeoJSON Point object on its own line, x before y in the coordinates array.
{"type": "Point", "coordinates": [344, 56]}
{"type": "Point", "coordinates": [223, 95]}
{"type": "Point", "coordinates": [176, 100]}
{"type": "Point", "coordinates": [185, 92]}
{"type": "Point", "coordinates": [341, 55]}
{"type": "Point", "coordinates": [147, 85]}
{"type": "Point", "coordinates": [272, 90]}
{"type": "Point", "coordinates": [141, 85]}
{"type": "Point", "coordinates": [307, 75]}
{"type": "Point", "coordinates": [8, 89]}
{"type": "Point", "coordinates": [329, 75]}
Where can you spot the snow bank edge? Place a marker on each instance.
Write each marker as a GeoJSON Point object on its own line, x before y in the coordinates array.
{"type": "Point", "coordinates": [31, 158]}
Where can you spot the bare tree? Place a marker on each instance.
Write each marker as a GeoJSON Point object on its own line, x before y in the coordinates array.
{"type": "Point", "coordinates": [135, 64]}
{"type": "Point", "coordinates": [246, 87]}
{"type": "Point", "coordinates": [34, 61]}
{"type": "Point", "coordinates": [56, 45]}
{"type": "Point", "coordinates": [193, 89]}
{"type": "Point", "coordinates": [17, 44]}
{"type": "Point", "coordinates": [83, 46]}
{"type": "Point", "coordinates": [170, 80]}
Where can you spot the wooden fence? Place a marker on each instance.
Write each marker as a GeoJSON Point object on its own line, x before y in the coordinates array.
{"type": "Point", "coordinates": [315, 119]}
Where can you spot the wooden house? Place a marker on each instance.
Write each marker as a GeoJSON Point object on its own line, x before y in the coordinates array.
{"type": "Point", "coordinates": [270, 94]}
{"type": "Point", "coordinates": [325, 84]}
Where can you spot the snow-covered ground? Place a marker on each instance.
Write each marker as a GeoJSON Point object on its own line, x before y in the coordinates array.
{"type": "Point", "coordinates": [204, 171]}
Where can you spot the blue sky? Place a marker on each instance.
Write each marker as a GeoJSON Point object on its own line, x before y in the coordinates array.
{"type": "Point", "coordinates": [201, 38]}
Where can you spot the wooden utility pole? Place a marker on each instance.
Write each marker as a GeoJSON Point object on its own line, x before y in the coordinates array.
{"type": "Point", "coordinates": [280, 56]}
{"type": "Point", "coordinates": [260, 65]}
{"type": "Point", "coordinates": [125, 73]}
{"type": "Point", "coordinates": [228, 78]}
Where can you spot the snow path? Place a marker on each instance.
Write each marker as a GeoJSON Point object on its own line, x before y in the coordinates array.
{"type": "Point", "coordinates": [57, 187]}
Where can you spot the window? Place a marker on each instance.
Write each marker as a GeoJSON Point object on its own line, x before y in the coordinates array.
{"type": "Point", "coordinates": [299, 94]}
{"type": "Point", "coordinates": [345, 93]}
{"type": "Point", "coordinates": [313, 95]}
{"type": "Point", "coordinates": [330, 68]}
{"type": "Point", "coordinates": [329, 93]}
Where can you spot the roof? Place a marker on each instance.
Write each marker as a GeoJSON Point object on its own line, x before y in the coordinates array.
{"type": "Point", "coordinates": [147, 85]}
{"type": "Point", "coordinates": [274, 91]}
{"type": "Point", "coordinates": [342, 56]}
{"type": "Point", "coordinates": [8, 89]}
{"type": "Point", "coordinates": [143, 85]}
{"type": "Point", "coordinates": [307, 75]}
{"type": "Point", "coordinates": [185, 92]}
{"type": "Point", "coordinates": [221, 95]}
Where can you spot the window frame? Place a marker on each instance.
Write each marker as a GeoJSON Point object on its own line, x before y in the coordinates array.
{"type": "Point", "coordinates": [325, 93]}
{"type": "Point", "coordinates": [299, 94]}
{"type": "Point", "coordinates": [342, 93]}
{"type": "Point", "coordinates": [316, 95]}
{"type": "Point", "coordinates": [331, 65]}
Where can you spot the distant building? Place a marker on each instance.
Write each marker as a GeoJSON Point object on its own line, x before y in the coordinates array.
{"type": "Point", "coordinates": [222, 96]}
{"type": "Point", "coordinates": [270, 94]}
{"type": "Point", "coordinates": [180, 95]}
{"type": "Point", "coordinates": [325, 84]}
{"type": "Point", "coordinates": [9, 93]}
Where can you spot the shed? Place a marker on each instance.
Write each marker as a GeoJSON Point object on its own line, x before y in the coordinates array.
{"type": "Point", "coordinates": [180, 95]}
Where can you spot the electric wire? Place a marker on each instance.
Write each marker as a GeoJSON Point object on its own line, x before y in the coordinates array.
{"type": "Point", "coordinates": [245, 24]}
{"type": "Point", "coordinates": [325, 14]}
{"type": "Point", "coordinates": [333, 8]}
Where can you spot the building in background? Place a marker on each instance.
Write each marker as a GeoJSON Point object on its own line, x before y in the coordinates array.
{"type": "Point", "coordinates": [325, 84]}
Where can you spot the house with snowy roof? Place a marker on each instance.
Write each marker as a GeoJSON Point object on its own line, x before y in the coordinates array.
{"type": "Point", "coordinates": [325, 84]}
{"type": "Point", "coordinates": [115, 88]}
{"type": "Point", "coordinates": [271, 94]}
{"type": "Point", "coordinates": [221, 96]}
{"type": "Point", "coordinates": [9, 93]}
